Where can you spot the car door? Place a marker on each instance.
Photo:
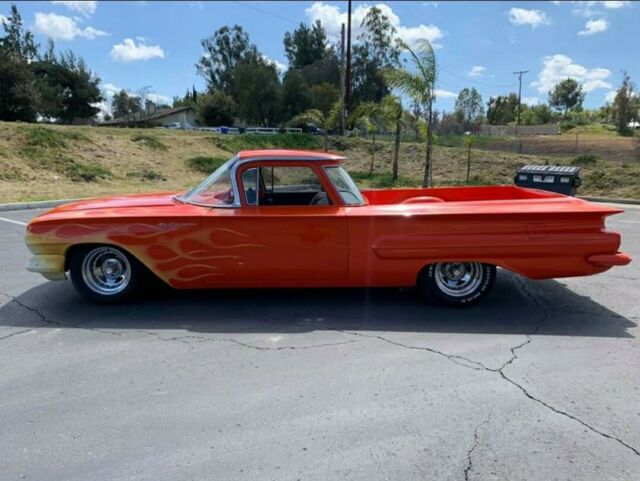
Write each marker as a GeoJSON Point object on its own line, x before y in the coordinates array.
{"type": "Point", "coordinates": [281, 237]}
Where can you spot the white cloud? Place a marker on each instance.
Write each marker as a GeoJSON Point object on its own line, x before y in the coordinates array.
{"type": "Point", "coordinates": [610, 96]}
{"type": "Point", "coordinates": [279, 65]}
{"type": "Point", "coordinates": [476, 71]}
{"type": "Point", "coordinates": [158, 98]}
{"type": "Point", "coordinates": [332, 19]}
{"type": "Point", "coordinates": [556, 68]}
{"type": "Point", "coordinates": [3, 19]}
{"type": "Point", "coordinates": [615, 4]}
{"type": "Point", "coordinates": [445, 94]}
{"type": "Point", "coordinates": [430, 4]}
{"type": "Point", "coordinates": [59, 27]}
{"type": "Point", "coordinates": [530, 100]}
{"type": "Point", "coordinates": [85, 8]}
{"type": "Point", "coordinates": [129, 51]}
{"type": "Point", "coordinates": [522, 16]}
{"type": "Point", "coordinates": [592, 8]}
{"type": "Point", "coordinates": [594, 26]}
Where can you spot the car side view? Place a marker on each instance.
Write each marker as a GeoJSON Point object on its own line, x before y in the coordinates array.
{"type": "Point", "coordinates": [286, 218]}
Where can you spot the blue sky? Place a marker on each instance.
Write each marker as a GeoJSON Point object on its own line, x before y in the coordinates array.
{"type": "Point", "coordinates": [479, 44]}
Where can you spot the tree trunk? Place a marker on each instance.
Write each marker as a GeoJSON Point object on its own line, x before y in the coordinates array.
{"type": "Point", "coordinates": [428, 177]}
{"type": "Point", "coordinates": [326, 141]}
{"type": "Point", "coordinates": [373, 152]}
{"type": "Point", "coordinates": [396, 151]}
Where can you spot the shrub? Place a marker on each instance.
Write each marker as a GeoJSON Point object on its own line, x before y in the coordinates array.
{"type": "Point", "coordinates": [381, 180]}
{"type": "Point", "coordinates": [149, 141]}
{"type": "Point", "coordinates": [205, 164]}
{"type": "Point", "coordinates": [46, 138]}
{"type": "Point", "coordinates": [585, 159]}
{"type": "Point", "coordinates": [147, 174]}
{"type": "Point", "coordinates": [79, 172]}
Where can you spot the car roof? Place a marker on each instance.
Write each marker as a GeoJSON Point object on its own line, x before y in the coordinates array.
{"type": "Point", "coordinates": [288, 154]}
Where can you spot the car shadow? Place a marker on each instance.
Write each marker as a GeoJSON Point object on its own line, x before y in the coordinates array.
{"type": "Point", "coordinates": [516, 306]}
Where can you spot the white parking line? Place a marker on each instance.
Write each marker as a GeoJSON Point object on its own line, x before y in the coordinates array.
{"type": "Point", "coordinates": [11, 221]}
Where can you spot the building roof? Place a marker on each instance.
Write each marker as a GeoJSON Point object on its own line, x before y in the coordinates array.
{"type": "Point", "coordinates": [288, 154]}
{"type": "Point", "coordinates": [158, 114]}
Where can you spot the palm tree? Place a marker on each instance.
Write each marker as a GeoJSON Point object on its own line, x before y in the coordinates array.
{"type": "Point", "coordinates": [420, 86]}
{"type": "Point", "coordinates": [370, 113]}
{"type": "Point", "coordinates": [393, 113]}
{"type": "Point", "coordinates": [326, 121]}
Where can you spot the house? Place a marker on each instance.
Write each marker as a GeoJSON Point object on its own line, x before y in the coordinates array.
{"type": "Point", "coordinates": [179, 117]}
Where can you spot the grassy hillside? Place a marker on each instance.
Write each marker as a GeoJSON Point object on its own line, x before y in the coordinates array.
{"type": "Point", "coordinates": [48, 162]}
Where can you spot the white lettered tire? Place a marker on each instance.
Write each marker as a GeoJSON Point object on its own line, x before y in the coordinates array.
{"type": "Point", "coordinates": [456, 283]}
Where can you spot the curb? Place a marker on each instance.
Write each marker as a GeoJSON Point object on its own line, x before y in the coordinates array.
{"type": "Point", "coordinates": [40, 204]}
{"type": "Point", "coordinates": [607, 200]}
{"type": "Point", "coordinates": [47, 204]}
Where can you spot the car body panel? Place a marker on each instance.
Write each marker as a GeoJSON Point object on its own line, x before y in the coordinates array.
{"type": "Point", "coordinates": [385, 242]}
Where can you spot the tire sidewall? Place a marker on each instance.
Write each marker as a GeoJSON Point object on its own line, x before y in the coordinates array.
{"type": "Point", "coordinates": [430, 290]}
{"type": "Point", "coordinates": [75, 270]}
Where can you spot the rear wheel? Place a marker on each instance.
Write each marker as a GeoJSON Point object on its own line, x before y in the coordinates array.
{"type": "Point", "coordinates": [456, 283]}
{"type": "Point", "coordinates": [105, 274]}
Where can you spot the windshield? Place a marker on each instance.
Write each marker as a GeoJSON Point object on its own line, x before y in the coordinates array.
{"type": "Point", "coordinates": [216, 190]}
{"type": "Point", "coordinates": [345, 186]}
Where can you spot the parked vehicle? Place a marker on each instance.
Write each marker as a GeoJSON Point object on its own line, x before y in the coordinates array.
{"type": "Point", "coordinates": [285, 218]}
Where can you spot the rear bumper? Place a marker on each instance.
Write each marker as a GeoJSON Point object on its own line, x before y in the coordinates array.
{"type": "Point", "coordinates": [610, 260]}
{"type": "Point", "coordinates": [49, 265]}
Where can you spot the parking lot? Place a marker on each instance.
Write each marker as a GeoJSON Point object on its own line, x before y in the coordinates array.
{"type": "Point", "coordinates": [540, 381]}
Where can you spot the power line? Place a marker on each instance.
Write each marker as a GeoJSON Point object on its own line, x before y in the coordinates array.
{"type": "Point", "coordinates": [476, 81]}
{"type": "Point", "coordinates": [262, 10]}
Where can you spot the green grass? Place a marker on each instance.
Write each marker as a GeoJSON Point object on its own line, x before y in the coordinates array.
{"type": "Point", "coordinates": [606, 130]}
{"type": "Point", "coordinates": [458, 140]}
{"type": "Point", "coordinates": [151, 141]}
{"type": "Point", "coordinates": [147, 175]}
{"type": "Point", "coordinates": [205, 164]}
{"type": "Point", "coordinates": [235, 143]}
{"type": "Point", "coordinates": [585, 159]}
{"type": "Point", "coordinates": [381, 180]}
{"type": "Point", "coordinates": [80, 172]}
{"type": "Point", "coordinates": [47, 138]}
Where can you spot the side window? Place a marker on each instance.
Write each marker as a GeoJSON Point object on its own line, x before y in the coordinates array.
{"type": "Point", "coordinates": [283, 185]}
{"type": "Point", "coordinates": [250, 185]}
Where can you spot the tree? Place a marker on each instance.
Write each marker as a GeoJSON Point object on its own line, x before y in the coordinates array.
{"type": "Point", "coordinates": [216, 109]}
{"type": "Point", "coordinates": [376, 52]}
{"type": "Point", "coordinates": [296, 96]}
{"type": "Point", "coordinates": [327, 121]}
{"type": "Point", "coordinates": [17, 44]}
{"type": "Point", "coordinates": [305, 45]}
{"type": "Point", "coordinates": [256, 89]}
{"type": "Point", "coordinates": [468, 106]}
{"type": "Point", "coordinates": [502, 109]}
{"type": "Point", "coordinates": [227, 48]}
{"type": "Point", "coordinates": [19, 98]}
{"type": "Point", "coordinates": [567, 95]}
{"type": "Point", "coordinates": [125, 106]}
{"type": "Point", "coordinates": [323, 97]}
{"type": "Point", "coordinates": [392, 113]}
{"type": "Point", "coordinates": [537, 114]}
{"type": "Point", "coordinates": [625, 105]}
{"type": "Point", "coordinates": [420, 87]}
{"type": "Point", "coordinates": [370, 114]}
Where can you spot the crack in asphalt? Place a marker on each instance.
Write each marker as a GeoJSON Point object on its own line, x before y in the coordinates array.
{"type": "Point", "coordinates": [479, 366]}
{"type": "Point", "coordinates": [2, 338]}
{"type": "Point", "coordinates": [185, 340]}
{"type": "Point", "coordinates": [476, 442]}
{"type": "Point", "coordinates": [454, 358]}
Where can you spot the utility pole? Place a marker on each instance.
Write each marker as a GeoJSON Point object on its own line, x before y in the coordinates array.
{"type": "Point", "coordinates": [347, 80]}
{"type": "Point", "coordinates": [519, 74]}
{"type": "Point", "coordinates": [342, 82]}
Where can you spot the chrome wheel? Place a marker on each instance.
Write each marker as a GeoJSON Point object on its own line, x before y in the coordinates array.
{"type": "Point", "coordinates": [106, 271]}
{"type": "Point", "coordinates": [458, 279]}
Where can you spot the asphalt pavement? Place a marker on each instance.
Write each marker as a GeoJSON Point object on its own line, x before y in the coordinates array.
{"type": "Point", "coordinates": [539, 382]}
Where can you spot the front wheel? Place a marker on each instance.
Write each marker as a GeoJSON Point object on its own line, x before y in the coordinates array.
{"type": "Point", "coordinates": [456, 283]}
{"type": "Point", "coordinates": [105, 274]}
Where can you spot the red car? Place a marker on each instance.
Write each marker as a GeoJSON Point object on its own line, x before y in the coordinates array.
{"type": "Point", "coordinates": [284, 218]}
